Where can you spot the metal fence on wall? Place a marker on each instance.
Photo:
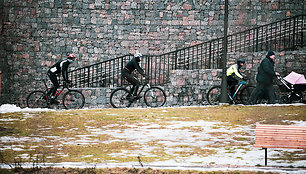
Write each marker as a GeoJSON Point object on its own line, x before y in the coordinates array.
{"type": "Point", "coordinates": [286, 34]}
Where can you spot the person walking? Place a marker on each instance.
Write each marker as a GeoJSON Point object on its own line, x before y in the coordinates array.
{"type": "Point", "coordinates": [264, 79]}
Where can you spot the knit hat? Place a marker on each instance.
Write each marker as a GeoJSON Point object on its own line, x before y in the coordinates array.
{"type": "Point", "coordinates": [270, 53]}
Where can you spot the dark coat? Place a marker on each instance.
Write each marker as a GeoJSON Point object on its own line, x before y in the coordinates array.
{"type": "Point", "coordinates": [266, 71]}
{"type": "Point", "coordinates": [61, 67]}
{"type": "Point", "coordinates": [133, 64]}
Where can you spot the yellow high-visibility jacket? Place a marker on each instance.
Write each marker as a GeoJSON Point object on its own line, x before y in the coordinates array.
{"type": "Point", "coordinates": [233, 69]}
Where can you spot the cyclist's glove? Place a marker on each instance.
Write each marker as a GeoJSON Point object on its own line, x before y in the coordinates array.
{"type": "Point", "coordinates": [67, 83]}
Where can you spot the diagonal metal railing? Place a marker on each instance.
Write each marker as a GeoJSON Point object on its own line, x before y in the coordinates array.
{"type": "Point", "coordinates": [282, 35]}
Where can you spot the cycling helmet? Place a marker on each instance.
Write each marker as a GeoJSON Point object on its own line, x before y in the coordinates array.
{"type": "Point", "coordinates": [138, 55]}
{"type": "Point", "coordinates": [71, 56]}
{"type": "Point", "coordinates": [240, 60]}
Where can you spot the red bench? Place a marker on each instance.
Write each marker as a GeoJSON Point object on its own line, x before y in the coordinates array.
{"type": "Point", "coordinates": [280, 136]}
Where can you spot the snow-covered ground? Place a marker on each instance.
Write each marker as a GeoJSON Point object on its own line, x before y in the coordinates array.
{"type": "Point", "coordinates": [176, 138]}
{"type": "Point", "coordinates": [6, 108]}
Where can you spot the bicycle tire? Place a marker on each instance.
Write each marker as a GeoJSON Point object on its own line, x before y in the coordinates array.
{"type": "Point", "coordinates": [37, 99]}
{"type": "Point", "coordinates": [246, 93]}
{"type": "Point", "coordinates": [73, 99]}
{"type": "Point", "coordinates": [119, 98]}
{"type": "Point", "coordinates": [155, 97]}
{"type": "Point", "coordinates": [213, 95]}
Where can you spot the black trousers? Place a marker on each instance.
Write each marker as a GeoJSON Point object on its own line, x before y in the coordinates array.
{"type": "Point", "coordinates": [54, 80]}
{"type": "Point", "coordinates": [262, 88]}
{"type": "Point", "coordinates": [131, 79]}
{"type": "Point", "coordinates": [231, 82]}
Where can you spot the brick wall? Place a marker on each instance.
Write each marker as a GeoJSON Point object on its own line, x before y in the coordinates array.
{"type": "Point", "coordinates": [36, 33]}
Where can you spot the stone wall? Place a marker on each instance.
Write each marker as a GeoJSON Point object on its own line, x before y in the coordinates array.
{"type": "Point", "coordinates": [36, 33]}
{"type": "Point", "coordinates": [186, 88]}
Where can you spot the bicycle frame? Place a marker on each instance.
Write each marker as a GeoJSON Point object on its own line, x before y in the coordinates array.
{"type": "Point", "coordinates": [238, 88]}
{"type": "Point", "coordinates": [143, 86]}
{"type": "Point", "coordinates": [58, 92]}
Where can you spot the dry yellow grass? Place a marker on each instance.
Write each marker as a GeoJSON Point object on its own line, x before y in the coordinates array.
{"type": "Point", "coordinates": [57, 128]}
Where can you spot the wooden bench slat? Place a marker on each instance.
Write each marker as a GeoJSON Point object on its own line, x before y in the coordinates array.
{"type": "Point", "coordinates": [280, 136]}
{"type": "Point", "coordinates": [282, 142]}
{"type": "Point", "coordinates": [277, 130]}
{"type": "Point", "coordinates": [286, 147]}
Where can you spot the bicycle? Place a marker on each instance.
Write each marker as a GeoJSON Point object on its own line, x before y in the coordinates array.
{"type": "Point", "coordinates": [154, 96]}
{"type": "Point", "coordinates": [72, 99]}
{"type": "Point", "coordinates": [243, 91]}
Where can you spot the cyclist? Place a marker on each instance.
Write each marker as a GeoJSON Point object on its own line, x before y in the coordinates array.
{"type": "Point", "coordinates": [127, 73]}
{"type": "Point", "coordinates": [232, 72]}
{"type": "Point", "coordinates": [58, 68]}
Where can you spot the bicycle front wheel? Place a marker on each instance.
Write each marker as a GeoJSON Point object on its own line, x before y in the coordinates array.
{"type": "Point", "coordinates": [73, 99]}
{"type": "Point", "coordinates": [246, 93]}
{"type": "Point", "coordinates": [37, 99]}
{"type": "Point", "coordinates": [213, 95]}
{"type": "Point", "coordinates": [155, 97]}
{"type": "Point", "coordinates": [120, 98]}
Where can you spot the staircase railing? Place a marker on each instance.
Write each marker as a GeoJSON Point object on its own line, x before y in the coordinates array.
{"type": "Point", "coordinates": [286, 34]}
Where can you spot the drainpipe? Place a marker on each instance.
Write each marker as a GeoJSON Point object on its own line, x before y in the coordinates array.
{"type": "Point", "coordinates": [224, 57]}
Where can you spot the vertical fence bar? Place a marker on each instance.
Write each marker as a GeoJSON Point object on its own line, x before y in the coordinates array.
{"type": "Point", "coordinates": [302, 32]}
{"type": "Point", "coordinates": [210, 56]}
{"type": "Point", "coordinates": [87, 77]}
{"type": "Point", "coordinates": [257, 40]}
{"type": "Point", "coordinates": [294, 33]}
{"type": "Point", "coordinates": [121, 79]}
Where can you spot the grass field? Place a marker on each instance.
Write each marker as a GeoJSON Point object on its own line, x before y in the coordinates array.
{"type": "Point", "coordinates": [200, 136]}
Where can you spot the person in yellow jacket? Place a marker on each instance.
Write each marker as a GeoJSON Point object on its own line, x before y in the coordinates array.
{"type": "Point", "coordinates": [232, 72]}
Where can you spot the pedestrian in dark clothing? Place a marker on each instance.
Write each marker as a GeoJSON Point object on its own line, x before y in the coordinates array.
{"type": "Point", "coordinates": [264, 79]}
{"type": "Point", "coordinates": [127, 73]}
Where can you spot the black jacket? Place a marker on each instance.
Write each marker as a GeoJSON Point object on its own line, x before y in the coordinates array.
{"type": "Point", "coordinates": [266, 71]}
{"type": "Point", "coordinates": [132, 65]}
{"type": "Point", "coordinates": [61, 67]}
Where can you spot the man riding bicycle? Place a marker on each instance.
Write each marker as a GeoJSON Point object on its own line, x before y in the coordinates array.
{"type": "Point", "coordinates": [58, 68]}
{"type": "Point", "coordinates": [232, 72]}
{"type": "Point", "coordinates": [128, 70]}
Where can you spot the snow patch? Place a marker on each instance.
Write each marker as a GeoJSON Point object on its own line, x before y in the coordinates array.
{"type": "Point", "coordinates": [7, 108]}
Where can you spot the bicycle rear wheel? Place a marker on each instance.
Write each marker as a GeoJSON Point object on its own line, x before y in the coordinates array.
{"type": "Point", "coordinates": [246, 93]}
{"type": "Point", "coordinates": [119, 98]}
{"type": "Point", "coordinates": [37, 99]}
{"type": "Point", "coordinates": [73, 99]}
{"type": "Point", "coordinates": [155, 97]}
{"type": "Point", "coordinates": [213, 95]}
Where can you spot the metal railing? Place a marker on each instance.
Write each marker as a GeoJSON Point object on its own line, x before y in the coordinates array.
{"type": "Point", "coordinates": [286, 34]}
{"type": "Point", "coordinates": [282, 35]}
